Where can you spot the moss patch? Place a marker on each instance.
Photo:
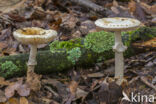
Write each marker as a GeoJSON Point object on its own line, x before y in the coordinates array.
{"type": "Point", "coordinates": [102, 41]}
{"type": "Point", "coordinates": [8, 68]}
{"type": "Point", "coordinates": [143, 34]}
{"type": "Point", "coordinates": [63, 46]}
{"type": "Point", "coordinates": [74, 55]}
{"type": "Point", "coordinates": [99, 41]}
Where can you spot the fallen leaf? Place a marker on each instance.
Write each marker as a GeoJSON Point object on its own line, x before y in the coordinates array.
{"type": "Point", "coordinates": [153, 20]}
{"type": "Point", "coordinates": [115, 3]}
{"type": "Point", "coordinates": [49, 101]}
{"type": "Point", "coordinates": [103, 93]}
{"type": "Point", "coordinates": [3, 82]}
{"type": "Point", "coordinates": [115, 10]}
{"type": "Point", "coordinates": [149, 43]}
{"type": "Point", "coordinates": [96, 75]}
{"type": "Point", "coordinates": [39, 2]}
{"type": "Point", "coordinates": [3, 45]}
{"type": "Point", "coordinates": [23, 100]}
{"type": "Point", "coordinates": [81, 93]}
{"type": "Point", "coordinates": [5, 34]}
{"type": "Point", "coordinates": [139, 13]}
{"type": "Point", "coordinates": [77, 34]}
{"type": "Point", "coordinates": [149, 9]}
{"type": "Point", "coordinates": [2, 97]}
{"type": "Point", "coordinates": [61, 88]}
{"type": "Point", "coordinates": [9, 5]}
{"type": "Point", "coordinates": [37, 14]}
{"type": "Point", "coordinates": [33, 81]}
{"type": "Point", "coordinates": [9, 51]}
{"type": "Point", "coordinates": [73, 87]}
{"type": "Point", "coordinates": [23, 90]}
{"type": "Point", "coordinates": [13, 101]}
{"type": "Point", "coordinates": [132, 6]}
{"type": "Point", "coordinates": [10, 90]}
{"type": "Point", "coordinates": [69, 21]}
{"type": "Point", "coordinates": [16, 17]}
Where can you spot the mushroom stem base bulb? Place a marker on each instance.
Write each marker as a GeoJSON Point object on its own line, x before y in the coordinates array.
{"type": "Point", "coordinates": [30, 70]}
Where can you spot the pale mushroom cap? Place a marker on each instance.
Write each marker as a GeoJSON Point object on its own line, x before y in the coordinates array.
{"type": "Point", "coordinates": [34, 35]}
{"type": "Point", "coordinates": [117, 24]}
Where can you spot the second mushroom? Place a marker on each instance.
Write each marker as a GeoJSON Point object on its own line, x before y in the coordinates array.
{"type": "Point", "coordinates": [117, 25]}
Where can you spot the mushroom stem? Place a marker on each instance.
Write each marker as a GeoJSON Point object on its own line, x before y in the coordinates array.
{"type": "Point", "coordinates": [119, 48]}
{"type": "Point", "coordinates": [32, 58]}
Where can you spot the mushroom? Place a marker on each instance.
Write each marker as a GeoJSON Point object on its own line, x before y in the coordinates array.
{"type": "Point", "coordinates": [33, 36]}
{"type": "Point", "coordinates": [117, 25]}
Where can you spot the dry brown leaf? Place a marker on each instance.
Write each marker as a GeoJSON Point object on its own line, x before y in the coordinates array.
{"type": "Point", "coordinates": [149, 9]}
{"type": "Point", "coordinates": [33, 81]}
{"type": "Point", "coordinates": [115, 3]}
{"type": "Point", "coordinates": [49, 101]}
{"type": "Point", "coordinates": [13, 101]}
{"type": "Point", "coordinates": [39, 2]}
{"type": "Point", "coordinates": [153, 20]}
{"type": "Point", "coordinates": [114, 7]}
{"type": "Point", "coordinates": [150, 43]}
{"type": "Point", "coordinates": [81, 93]}
{"type": "Point", "coordinates": [10, 51]}
{"type": "Point", "coordinates": [16, 17]}
{"type": "Point", "coordinates": [9, 5]}
{"type": "Point", "coordinates": [3, 82]}
{"type": "Point", "coordinates": [55, 25]}
{"type": "Point", "coordinates": [10, 90]}
{"type": "Point", "coordinates": [115, 10]}
{"type": "Point", "coordinates": [69, 21]}
{"type": "Point", "coordinates": [2, 97]}
{"type": "Point", "coordinates": [73, 87]}
{"type": "Point", "coordinates": [3, 45]}
{"type": "Point", "coordinates": [5, 33]}
{"type": "Point", "coordinates": [140, 13]}
{"type": "Point", "coordinates": [23, 90]}
{"type": "Point", "coordinates": [132, 6]}
{"type": "Point", "coordinates": [96, 75]}
{"type": "Point", "coordinates": [3, 103]}
{"type": "Point", "coordinates": [23, 100]}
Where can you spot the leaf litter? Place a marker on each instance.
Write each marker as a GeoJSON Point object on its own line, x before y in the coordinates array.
{"type": "Point", "coordinates": [89, 86]}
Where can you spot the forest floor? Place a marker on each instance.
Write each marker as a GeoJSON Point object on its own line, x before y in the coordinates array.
{"type": "Point", "coordinates": [95, 85]}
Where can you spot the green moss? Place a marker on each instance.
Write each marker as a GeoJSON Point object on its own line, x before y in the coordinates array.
{"type": "Point", "coordinates": [143, 34]}
{"type": "Point", "coordinates": [8, 68]}
{"type": "Point", "coordinates": [99, 41]}
{"type": "Point", "coordinates": [74, 55]}
{"type": "Point", "coordinates": [62, 46]}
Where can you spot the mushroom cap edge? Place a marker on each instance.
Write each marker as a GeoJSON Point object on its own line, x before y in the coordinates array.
{"type": "Point", "coordinates": [48, 36]}
{"type": "Point", "coordinates": [115, 24]}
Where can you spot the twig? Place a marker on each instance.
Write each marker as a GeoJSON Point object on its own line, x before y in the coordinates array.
{"type": "Point", "coordinates": [133, 80]}
{"type": "Point", "coordinates": [91, 5]}
{"type": "Point", "coordinates": [144, 80]}
{"type": "Point", "coordinates": [53, 92]}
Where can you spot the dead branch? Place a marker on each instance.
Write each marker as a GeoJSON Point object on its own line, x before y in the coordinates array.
{"type": "Point", "coordinates": [144, 80]}
{"type": "Point", "coordinates": [91, 5]}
